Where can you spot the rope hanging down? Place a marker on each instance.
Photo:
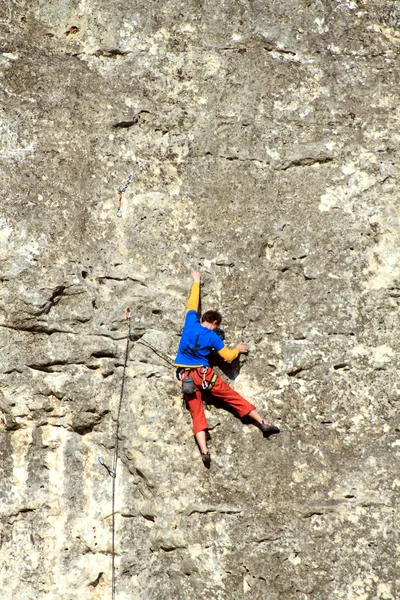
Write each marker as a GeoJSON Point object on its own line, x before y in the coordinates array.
{"type": "Point", "coordinates": [113, 471]}
{"type": "Point", "coordinates": [128, 315]}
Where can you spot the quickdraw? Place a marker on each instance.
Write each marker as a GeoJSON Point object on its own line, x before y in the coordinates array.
{"type": "Point", "coordinates": [109, 469]}
{"type": "Point", "coordinates": [120, 191]}
{"type": "Point", "coordinates": [207, 385]}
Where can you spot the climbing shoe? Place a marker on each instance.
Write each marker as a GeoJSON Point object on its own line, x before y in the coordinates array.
{"type": "Point", "coordinates": [268, 429]}
{"type": "Point", "coordinates": [206, 458]}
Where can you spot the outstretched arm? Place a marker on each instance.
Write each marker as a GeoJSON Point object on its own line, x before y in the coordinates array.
{"type": "Point", "coordinates": [229, 355]}
{"type": "Point", "coordinates": [194, 298]}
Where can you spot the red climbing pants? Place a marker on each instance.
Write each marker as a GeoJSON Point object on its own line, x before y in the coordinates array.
{"type": "Point", "coordinates": [220, 390]}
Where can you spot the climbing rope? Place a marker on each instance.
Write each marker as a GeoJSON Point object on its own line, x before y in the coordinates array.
{"type": "Point", "coordinates": [113, 471]}
{"type": "Point", "coordinates": [158, 352]}
{"type": "Point", "coordinates": [128, 315]}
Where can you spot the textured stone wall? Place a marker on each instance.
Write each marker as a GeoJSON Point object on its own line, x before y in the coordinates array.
{"type": "Point", "coordinates": [263, 138]}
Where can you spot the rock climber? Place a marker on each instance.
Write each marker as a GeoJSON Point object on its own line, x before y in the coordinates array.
{"type": "Point", "coordinates": [197, 341]}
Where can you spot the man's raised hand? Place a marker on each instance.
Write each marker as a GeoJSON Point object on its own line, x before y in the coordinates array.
{"type": "Point", "coordinates": [196, 276]}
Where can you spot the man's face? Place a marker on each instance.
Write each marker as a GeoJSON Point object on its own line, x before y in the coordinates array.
{"type": "Point", "coordinates": [215, 325]}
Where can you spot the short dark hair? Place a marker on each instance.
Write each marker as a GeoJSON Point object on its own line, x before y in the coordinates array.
{"type": "Point", "coordinates": [212, 315]}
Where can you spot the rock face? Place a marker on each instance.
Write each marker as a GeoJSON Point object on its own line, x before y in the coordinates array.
{"type": "Point", "coordinates": [263, 140]}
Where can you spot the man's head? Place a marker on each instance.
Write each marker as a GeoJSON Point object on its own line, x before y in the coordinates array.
{"type": "Point", "coordinates": [211, 319]}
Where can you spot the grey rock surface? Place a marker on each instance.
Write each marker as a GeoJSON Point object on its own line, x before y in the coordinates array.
{"type": "Point", "coordinates": [263, 139]}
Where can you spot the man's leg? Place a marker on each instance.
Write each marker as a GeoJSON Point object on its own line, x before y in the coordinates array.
{"type": "Point", "coordinates": [256, 416]}
{"type": "Point", "coordinates": [202, 442]}
{"type": "Point", "coordinates": [241, 405]}
{"type": "Point", "coordinates": [199, 421]}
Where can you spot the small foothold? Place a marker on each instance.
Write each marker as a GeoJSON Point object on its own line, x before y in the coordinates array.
{"type": "Point", "coordinates": [225, 263]}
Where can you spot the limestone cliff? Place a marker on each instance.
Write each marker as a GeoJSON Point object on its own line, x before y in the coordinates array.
{"type": "Point", "coordinates": [263, 139]}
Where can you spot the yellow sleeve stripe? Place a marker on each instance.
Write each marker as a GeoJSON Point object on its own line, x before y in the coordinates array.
{"type": "Point", "coordinates": [227, 354]}
{"type": "Point", "coordinates": [193, 302]}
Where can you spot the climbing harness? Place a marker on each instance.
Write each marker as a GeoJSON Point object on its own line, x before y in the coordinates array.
{"type": "Point", "coordinates": [187, 383]}
{"type": "Point", "coordinates": [113, 471]}
{"type": "Point", "coordinates": [188, 386]}
{"type": "Point", "coordinates": [120, 191]}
